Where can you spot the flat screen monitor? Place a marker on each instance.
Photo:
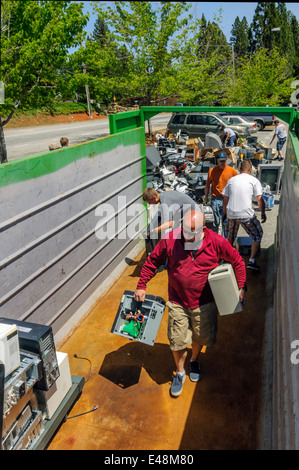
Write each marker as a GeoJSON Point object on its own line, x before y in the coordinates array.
{"type": "Point", "coordinates": [270, 174]}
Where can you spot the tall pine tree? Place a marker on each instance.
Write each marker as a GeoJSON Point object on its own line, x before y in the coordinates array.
{"type": "Point", "coordinates": [239, 37]}
{"type": "Point", "coordinates": [264, 20]}
{"type": "Point", "coordinates": [100, 32]}
{"type": "Point", "coordinates": [295, 31]}
{"type": "Point", "coordinates": [212, 40]}
{"type": "Point", "coordinates": [286, 45]}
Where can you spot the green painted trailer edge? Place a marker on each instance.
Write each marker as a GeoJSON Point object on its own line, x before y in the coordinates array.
{"type": "Point", "coordinates": [38, 165]}
{"type": "Point", "coordinates": [125, 120]}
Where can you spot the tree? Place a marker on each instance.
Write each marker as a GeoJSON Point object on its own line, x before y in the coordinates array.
{"type": "Point", "coordinates": [100, 32]}
{"type": "Point", "coordinates": [36, 36]}
{"type": "Point", "coordinates": [210, 39]}
{"type": "Point", "coordinates": [203, 72]}
{"type": "Point", "coordinates": [265, 18]}
{"type": "Point", "coordinates": [261, 80]}
{"type": "Point", "coordinates": [295, 31]}
{"type": "Point", "coordinates": [240, 37]}
{"type": "Point", "coordinates": [146, 31]}
{"type": "Point", "coordinates": [286, 44]}
{"type": "Point", "coordinates": [108, 71]}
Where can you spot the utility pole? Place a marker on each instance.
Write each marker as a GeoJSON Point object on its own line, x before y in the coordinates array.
{"type": "Point", "coordinates": [87, 93]}
{"type": "Point", "coordinates": [86, 86]}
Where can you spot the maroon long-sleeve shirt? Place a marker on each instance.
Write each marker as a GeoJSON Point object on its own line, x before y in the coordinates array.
{"type": "Point", "coordinates": [188, 272]}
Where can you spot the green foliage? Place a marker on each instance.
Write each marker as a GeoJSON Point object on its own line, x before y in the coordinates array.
{"type": "Point", "coordinates": [36, 36]}
{"type": "Point", "coordinates": [149, 49]}
{"type": "Point", "coordinates": [262, 80]}
{"type": "Point", "coordinates": [294, 24]}
{"type": "Point", "coordinates": [240, 37]}
{"type": "Point", "coordinates": [55, 109]}
{"type": "Point", "coordinates": [144, 32]}
{"type": "Point", "coordinates": [203, 71]}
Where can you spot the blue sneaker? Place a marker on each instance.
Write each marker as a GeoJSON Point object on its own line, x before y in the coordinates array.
{"type": "Point", "coordinates": [195, 372]}
{"type": "Point", "coordinates": [177, 384]}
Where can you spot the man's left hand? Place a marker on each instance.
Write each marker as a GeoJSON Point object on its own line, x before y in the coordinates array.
{"type": "Point", "coordinates": [242, 295]}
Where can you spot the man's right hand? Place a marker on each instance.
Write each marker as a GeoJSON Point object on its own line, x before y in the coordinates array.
{"type": "Point", "coordinates": [139, 295]}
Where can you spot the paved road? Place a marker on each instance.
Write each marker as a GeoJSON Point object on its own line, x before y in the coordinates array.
{"type": "Point", "coordinates": [27, 141]}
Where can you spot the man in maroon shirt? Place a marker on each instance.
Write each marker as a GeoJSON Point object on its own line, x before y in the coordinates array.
{"type": "Point", "coordinates": [192, 252]}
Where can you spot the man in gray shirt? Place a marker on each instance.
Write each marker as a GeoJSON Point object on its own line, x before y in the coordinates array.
{"type": "Point", "coordinates": [173, 206]}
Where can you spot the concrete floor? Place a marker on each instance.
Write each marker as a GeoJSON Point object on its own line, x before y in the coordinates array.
{"type": "Point", "coordinates": [130, 381]}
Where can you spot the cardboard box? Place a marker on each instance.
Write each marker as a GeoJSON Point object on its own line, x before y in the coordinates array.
{"type": "Point", "coordinates": [207, 153]}
{"type": "Point", "coordinates": [262, 145]}
{"type": "Point", "coordinates": [259, 156]}
{"type": "Point", "coordinates": [192, 143]}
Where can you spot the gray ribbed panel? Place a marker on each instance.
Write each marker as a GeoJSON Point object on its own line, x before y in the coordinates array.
{"type": "Point", "coordinates": [285, 426]}
{"type": "Point", "coordinates": [53, 260]}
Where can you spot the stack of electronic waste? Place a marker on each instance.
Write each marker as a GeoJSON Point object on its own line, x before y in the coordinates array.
{"type": "Point", "coordinates": [36, 379]}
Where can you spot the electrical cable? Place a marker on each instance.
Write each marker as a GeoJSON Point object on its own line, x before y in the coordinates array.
{"type": "Point", "coordinates": [84, 413]}
{"type": "Point", "coordinates": [96, 406]}
{"type": "Point", "coordinates": [86, 359]}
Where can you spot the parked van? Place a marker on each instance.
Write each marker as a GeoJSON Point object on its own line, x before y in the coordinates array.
{"type": "Point", "coordinates": [196, 124]}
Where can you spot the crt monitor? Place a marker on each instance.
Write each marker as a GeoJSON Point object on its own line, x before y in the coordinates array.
{"type": "Point", "coordinates": [270, 174]}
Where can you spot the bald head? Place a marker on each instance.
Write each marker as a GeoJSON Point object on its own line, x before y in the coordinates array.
{"type": "Point", "coordinates": [193, 223]}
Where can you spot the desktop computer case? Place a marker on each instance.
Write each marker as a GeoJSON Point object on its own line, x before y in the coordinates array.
{"type": "Point", "coordinates": [225, 290]}
{"type": "Point", "coordinates": [151, 313]}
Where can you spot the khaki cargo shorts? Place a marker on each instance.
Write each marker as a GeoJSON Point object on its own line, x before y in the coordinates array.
{"type": "Point", "coordinates": [197, 325]}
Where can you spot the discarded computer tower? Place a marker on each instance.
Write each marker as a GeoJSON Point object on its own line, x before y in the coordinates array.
{"type": "Point", "coordinates": [209, 215]}
{"type": "Point", "coordinates": [139, 321]}
{"type": "Point", "coordinates": [225, 290]}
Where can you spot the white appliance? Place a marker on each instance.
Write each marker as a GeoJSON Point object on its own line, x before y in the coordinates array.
{"type": "Point", "coordinates": [9, 348]}
{"type": "Point", "coordinates": [225, 289]}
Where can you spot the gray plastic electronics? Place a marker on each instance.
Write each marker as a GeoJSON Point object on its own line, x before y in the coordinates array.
{"type": "Point", "coordinates": [213, 141]}
{"type": "Point", "coordinates": [225, 289]}
{"type": "Point", "coordinates": [208, 213]}
{"type": "Point", "coordinates": [143, 318]}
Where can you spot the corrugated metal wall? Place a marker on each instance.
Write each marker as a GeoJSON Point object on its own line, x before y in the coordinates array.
{"type": "Point", "coordinates": [50, 205]}
{"type": "Point", "coordinates": [285, 393]}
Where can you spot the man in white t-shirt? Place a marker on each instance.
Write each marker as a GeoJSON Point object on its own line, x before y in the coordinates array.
{"type": "Point", "coordinates": [237, 205]}
{"type": "Point", "coordinates": [281, 133]}
{"type": "Point", "coordinates": [230, 136]}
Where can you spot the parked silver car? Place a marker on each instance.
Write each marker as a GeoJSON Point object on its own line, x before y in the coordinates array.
{"type": "Point", "coordinates": [241, 121]}
{"type": "Point", "coordinates": [198, 124]}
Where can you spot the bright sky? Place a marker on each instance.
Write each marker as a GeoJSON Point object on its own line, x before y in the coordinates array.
{"type": "Point", "coordinates": [230, 10]}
